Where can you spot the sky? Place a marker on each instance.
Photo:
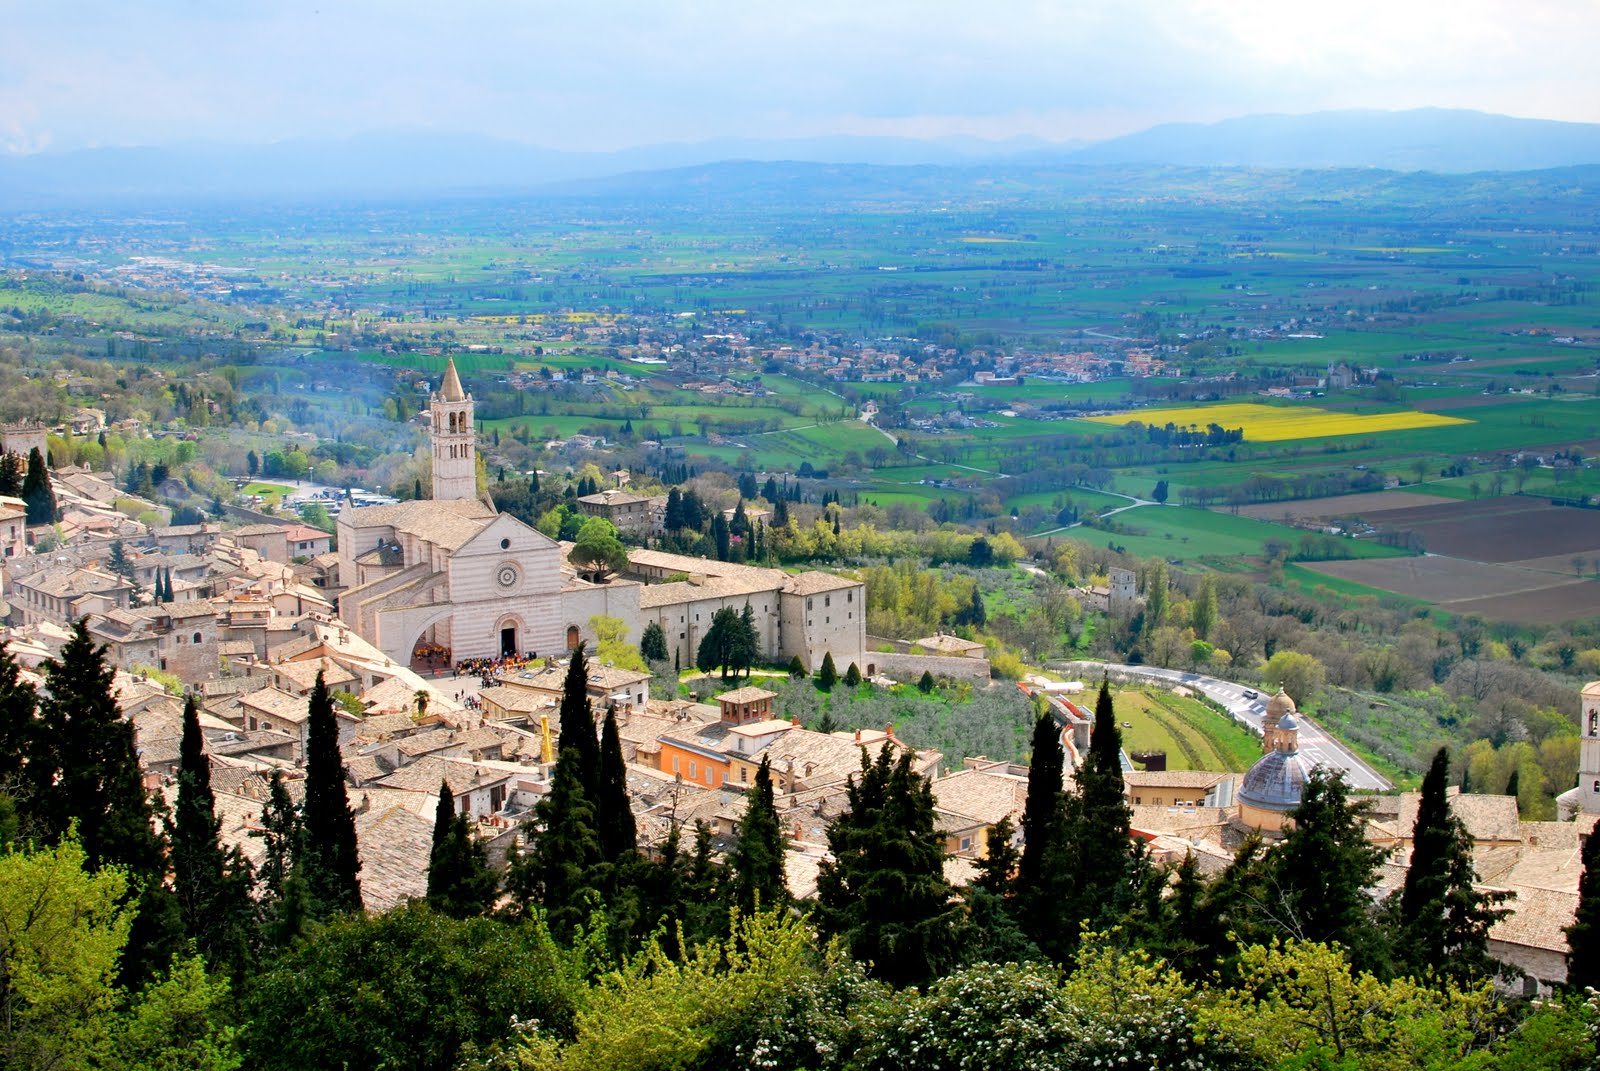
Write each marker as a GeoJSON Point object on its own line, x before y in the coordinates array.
{"type": "Point", "coordinates": [599, 76]}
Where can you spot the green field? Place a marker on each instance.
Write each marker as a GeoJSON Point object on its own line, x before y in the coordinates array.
{"type": "Point", "coordinates": [1194, 736]}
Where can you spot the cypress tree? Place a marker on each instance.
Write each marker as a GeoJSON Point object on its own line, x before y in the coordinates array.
{"type": "Point", "coordinates": [461, 883]}
{"type": "Point", "coordinates": [828, 675]}
{"type": "Point", "coordinates": [577, 723]}
{"type": "Point", "coordinates": [560, 870]}
{"type": "Point", "coordinates": [619, 837]}
{"type": "Point", "coordinates": [85, 770]}
{"type": "Point", "coordinates": [758, 855]}
{"type": "Point", "coordinates": [1043, 887]}
{"type": "Point", "coordinates": [852, 676]}
{"type": "Point", "coordinates": [1583, 936]}
{"type": "Point", "coordinates": [926, 685]}
{"type": "Point", "coordinates": [1443, 920]}
{"type": "Point", "coordinates": [18, 725]}
{"type": "Point", "coordinates": [37, 493]}
{"type": "Point", "coordinates": [653, 643]}
{"type": "Point", "coordinates": [11, 475]}
{"type": "Point", "coordinates": [998, 867]}
{"type": "Point", "coordinates": [797, 668]}
{"type": "Point", "coordinates": [333, 862]}
{"type": "Point", "coordinates": [212, 885]}
{"type": "Point", "coordinates": [884, 891]}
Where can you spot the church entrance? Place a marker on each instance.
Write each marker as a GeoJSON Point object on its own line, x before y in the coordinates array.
{"type": "Point", "coordinates": [508, 642]}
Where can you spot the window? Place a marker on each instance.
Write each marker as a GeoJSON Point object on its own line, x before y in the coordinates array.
{"type": "Point", "coordinates": [676, 764]}
{"type": "Point", "coordinates": [744, 774]}
{"type": "Point", "coordinates": [827, 600]}
{"type": "Point", "coordinates": [693, 771]}
{"type": "Point", "coordinates": [198, 639]}
{"type": "Point", "coordinates": [966, 844]}
{"type": "Point", "coordinates": [708, 775]}
{"type": "Point", "coordinates": [808, 604]}
{"type": "Point", "coordinates": [849, 596]}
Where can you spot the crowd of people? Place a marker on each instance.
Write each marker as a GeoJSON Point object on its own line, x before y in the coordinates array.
{"type": "Point", "coordinates": [488, 670]}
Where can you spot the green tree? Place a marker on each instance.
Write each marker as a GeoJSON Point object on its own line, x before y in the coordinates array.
{"type": "Point", "coordinates": [998, 867]}
{"type": "Point", "coordinates": [37, 493]}
{"type": "Point", "coordinates": [577, 729]}
{"type": "Point", "coordinates": [758, 855]}
{"type": "Point", "coordinates": [619, 837]}
{"type": "Point", "coordinates": [285, 899]}
{"type": "Point", "coordinates": [19, 706]}
{"type": "Point", "coordinates": [1316, 881]}
{"type": "Point", "coordinates": [461, 883]}
{"type": "Point", "coordinates": [560, 870]}
{"type": "Point", "coordinates": [797, 668]}
{"type": "Point", "coordinates": [597, 549]}
{"type": "Point", "coordinates": [827, 676]}
{"type": "Point", "coordinates": [1097, 829]}
{"type": "Point", "coordinates": [1583, 936]}
{"type": "Point", "coordinates": [852, 676]}
{"type": "Point", "coordinates": [84, 773]}
{"type": "Point", "coordinates": [726, 645]}
{"type": "Point", "coordinates": [212, 885]}
{"type": "Point", "coordinates": [408, 988]}
{"type": "Point", "coordinates": [332, 860]}
{"type": "Point", "coordinates": [926, 685]}
{"type": "Point", "coordinates": [884, 892]}
{"type": "Point", "coordinates": [653, 643]}
{"type": "Point", "coordinates": [1043, 888]}
{"type": "Point", "coordinates": [1301, 675]}
{"type": "Point", "coordinates": [1203, 612]}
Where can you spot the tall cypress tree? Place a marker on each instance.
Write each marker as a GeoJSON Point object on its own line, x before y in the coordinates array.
{"type": "Point", "coordinates": [1099, 837]}
{"type": "Point", "coordinates": [884, 891]}
{"type": "Point", "coordinates": [12, 469]}
{"type": "Point", "coordinates": [577, 723]}
{"type": "Point", "coordinates": [332, 861]}
{"type": "Point", "coordinates": [1443, 921]}
{"type": "Point", "coordinates": [37, 493]}
{"type": "Point", "coordinates": [18, 727]}
{"type": "Point", "coordinates": [1043, 814]}
{"type": "Point", "coordinates": [212, 885]}
{"type": "Point", "coordinates": [561, 868]}
{"type": "Point", "coordinates": [285, 900]}
{"type": "Point", "coordinates": [619, 837]}
{"type": "Point", "coordinates": [461, 883]}
{"type": "Point", "coordinates": [758, 855]}
{"type": "Point", "coordinates": [1583, 936]}
{"type": "Point", "coordinates": [85, 770]}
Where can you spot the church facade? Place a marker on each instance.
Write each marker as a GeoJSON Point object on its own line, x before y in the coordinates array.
{"type": "Point", "coordinates": [454, 577]}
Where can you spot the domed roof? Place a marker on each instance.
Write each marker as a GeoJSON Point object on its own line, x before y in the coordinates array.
{"type": "Point", "coordinates": [1277, 781]}
{"type": "Point", "coordinates": [1279, 705]}
{"type": "Point", "coordinates": [1288, 722]}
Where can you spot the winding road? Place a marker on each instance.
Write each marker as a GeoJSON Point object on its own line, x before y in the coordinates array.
{"type": "Point", "coordinates": [1247, 707]}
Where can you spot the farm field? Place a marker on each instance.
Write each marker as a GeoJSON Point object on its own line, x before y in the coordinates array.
{"type": "Point", "coordinates": [1493, 591]}
{"type": "Point", "coordinates": [1182, 534]}
{"type": "Point", "coordinates": [1280, 423]}
{"type": "Point", "coordinates": [1357, 505]}
{"type": "Point", "coordinates": [1510, 528]}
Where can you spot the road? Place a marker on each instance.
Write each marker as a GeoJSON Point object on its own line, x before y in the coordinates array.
{"type": "Point", "coordinates": [1321, 748]}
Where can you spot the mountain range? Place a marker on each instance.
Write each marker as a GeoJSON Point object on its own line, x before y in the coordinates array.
{"type": "Point", "coordinates": [407, 163]}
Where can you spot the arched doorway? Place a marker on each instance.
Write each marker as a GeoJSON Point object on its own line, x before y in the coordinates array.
{"type": "Point", "coordinates": [573, 638]}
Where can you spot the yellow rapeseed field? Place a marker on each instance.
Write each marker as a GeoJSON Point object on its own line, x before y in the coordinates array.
{"type": "Point", "coordinates": [1276, 423]}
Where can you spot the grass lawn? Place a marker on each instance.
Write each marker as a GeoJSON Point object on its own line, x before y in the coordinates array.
{"type": "Point", "coordinates": [1193, 736]}
{"type": "Point", "coordinates": [270, 493]}
{"type": "Point", "coordinates": [1184, 534]}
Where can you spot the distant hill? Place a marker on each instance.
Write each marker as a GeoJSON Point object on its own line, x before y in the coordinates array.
{"type": "Point", "coordinates": [1425, 139]}
{"type": "Point", "coordinates": [399, 164]}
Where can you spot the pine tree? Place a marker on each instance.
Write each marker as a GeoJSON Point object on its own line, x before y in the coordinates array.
{"type": "Point", "coordinates": [618, 835]}
{"type": "Point", "coordinates": [852, 676]}
{"type": "Point", "coordinates": [1316, 880]}
{"type": "Point", "coordinates": [1100, 838]}
{"type": "Point", "coordinates": [12, 471]}
{"type": "Point", "coordinates": [927, 684]}
{"type": "Point", "coordinates": [1583, 936]}
{"type": "Point", "coordinates": [577, 723]}
{"type": "Point", "coordinates": [827, 676]}
{"type": "Point", "coordinates": [212, 885]}
{"type": "Point", "coordinates": [884, 891]}
{"type": "Point", "coordinates": [1043, 887]}
{"type": "Point", "coordinates": [37, 493]}
{"type": "Point", "coordinates": [461, 883]}
{"type": "Point", "coordinates": [333, 863]}
{"type": "Point", "coordinates": [1442, 921]}
{"type": "Point", "coordinates": [758, 855]}
{"type": "Point", "coordinates": [84, 770]}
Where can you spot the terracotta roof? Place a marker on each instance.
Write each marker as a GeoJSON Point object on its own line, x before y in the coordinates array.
{"type": "Point", "coordinates": [394, 844]}
{"type": "Point", "coordinates": [1173, 778]}
{"type": "Point", "coordinates": [815, 583]}
{"type": "Point", "coordinates": [944, 642]}
{"type": "Point", "coordinates": [746, 694]}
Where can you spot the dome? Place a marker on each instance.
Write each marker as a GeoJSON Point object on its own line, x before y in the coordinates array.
{"type": "Point", "coordinates": [1288, 722]}
{"type": "Point", "coordinates": [1276, 782]}
{"type": "Point", "coordinates": [1278, 706]}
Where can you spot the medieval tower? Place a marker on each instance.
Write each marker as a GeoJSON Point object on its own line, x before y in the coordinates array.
{"type": "Point", "coordinates": [455, 462]}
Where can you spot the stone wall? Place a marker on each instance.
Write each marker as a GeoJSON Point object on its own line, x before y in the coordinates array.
{"type": "Point", "coordinates": [910, 668]}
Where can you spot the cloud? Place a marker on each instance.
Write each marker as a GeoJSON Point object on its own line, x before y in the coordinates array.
{"type": "Point", "coordinates": [575, 75]}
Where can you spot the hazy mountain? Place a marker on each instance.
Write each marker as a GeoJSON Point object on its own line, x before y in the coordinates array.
{"type": "Point", "coordinates": [392, 163]}
{"type": "Point", "coordinates": [1425, 139]}
{"type": "Point", "coordinates": [405, 163]}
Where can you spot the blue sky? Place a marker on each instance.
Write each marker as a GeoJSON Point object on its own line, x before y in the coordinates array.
{"type": "Point", "coordinates": [575, 75]}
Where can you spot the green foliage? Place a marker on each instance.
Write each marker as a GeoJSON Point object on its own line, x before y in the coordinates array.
{"type": "Point", "coordinates": [332, 864]}
{"type": "Point", "coordinates": [461, 883]}
{"type": "Point", "coordinates": [926, 685]}
{"type": "Point", "coordinates": [597, 548]}
{"type": "Point", "coordinates": [827, 675]}
{"type": "Point", "coordinates": [618, 834]}
{"type": "Point", "coordinates": [730, 644]}
{"type": "Point", "coordinates": [757, 859]}
{"type": "Point", "coordinates": [576, 723]}
{"type": "Point", "coordinates": [37, 493]}
{"type": "Point", "coordinates": [409, 988]}
{"type": "Point", "coordinates": [797, 668]}
{"type": "Point", "coordinates": [560, 869]}
{"type": "Point", "coordinates": [884, 892]}
{"type": "Point", "coordinates": [852, 676]}
{"type": "Point", "coordinates": [612, 646]}
{"type": "Point", "coordinates": [1583, 936]}
{"type": "Point", "coordinates": [653, 643]}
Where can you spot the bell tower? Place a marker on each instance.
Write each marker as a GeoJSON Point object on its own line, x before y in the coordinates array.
{"type": "Point", "coordinates": [455, 462]}
{"type": "Point", "coordinates": [1589, 751]}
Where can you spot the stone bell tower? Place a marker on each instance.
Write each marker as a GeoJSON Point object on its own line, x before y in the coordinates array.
{"type": "Point", "coordinates": [455, 461]}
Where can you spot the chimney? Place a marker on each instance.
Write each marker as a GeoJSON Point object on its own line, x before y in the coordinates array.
{"type": "Point", "coordinates": [797, 831]}
{"type": "Point", "coordinates": [366, 803]}
{"type": "Point", "coordinates": [795, 722]}
{"type": "Point", "coordinates": [858, 736]}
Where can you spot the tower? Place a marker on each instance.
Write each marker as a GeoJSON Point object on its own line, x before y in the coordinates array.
{"type": "Point", "coordinates": [455, 461]}
{"type": "Point", "coordinates": [1589, 751]}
